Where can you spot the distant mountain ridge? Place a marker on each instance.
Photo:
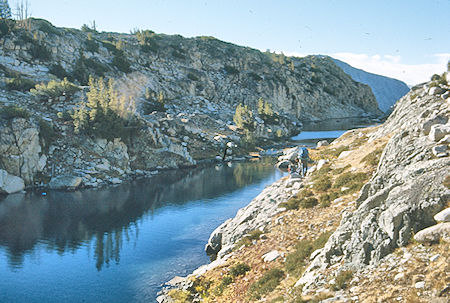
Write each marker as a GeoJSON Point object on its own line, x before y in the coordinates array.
{"type": "Point", "coordinates": [386, 90]}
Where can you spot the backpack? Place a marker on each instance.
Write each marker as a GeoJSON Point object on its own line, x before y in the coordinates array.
{"type": "Point", "coordinates": [303, 153]}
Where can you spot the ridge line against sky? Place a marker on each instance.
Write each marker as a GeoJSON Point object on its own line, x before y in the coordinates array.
{"type": "Point", "coordinates": [402, 39]}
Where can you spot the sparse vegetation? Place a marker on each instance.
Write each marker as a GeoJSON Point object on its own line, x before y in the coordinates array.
{"type": "Point", "coordinates": [302, 199]}
{"type": "Point", "coordinates": [342, 280]}
{"type": "Point", "coordinates": [353, 181]}
{"type": "Point", "coordinates": [249, 238]}
{"type": "Point", "coordinates": [54, 89]}
{"type": "Point", "coordinates": [46, 133]}
{"type": "Point", "coordinates": [19, 84]}
{"type": "Point", "coordinates": [239, 269]}
{"type": "Point", "coordinates": [180, 296]}
{"type": "Point", "coordinates": [231, 70]}
{"type": "Point", "coordinates": [268, 282]}
{"type": "Point", "coordinates": [374, 157]}
{"type": "Point", "coordinates": [58, 71]}
{"type": "Point", "coordinates": [322, 184]}
{"type": "Point", "coordinates": [91, 44]}
{"type": "Point", "coordinates": [295, 261]}
{"type": "Point", "coordinates": [13, 111]}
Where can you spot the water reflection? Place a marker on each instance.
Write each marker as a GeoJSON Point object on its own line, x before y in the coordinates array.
{"type": "Point", "coordinates": [105, 218]}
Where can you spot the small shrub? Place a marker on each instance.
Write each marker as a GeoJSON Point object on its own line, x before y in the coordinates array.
{"type": "Point", "coordinates": [46, 26]}
{"type": "Point", "coordinates": [322, 184]}
{"type": "Point", "coordinates": [255, 76]}
{"type": "Point", "coordinates": [98, 68]}
{"type": "Point", "coordinates": [303, 250]}
{"type": "Point", "coordinates": [342, 280]}
{"type": "Point", "coordinates": [13, 111]}
{"type": "Point", "coordinates": [231, 70]}
{"type": "Point", "coordinates": [180, 296]}
{"type": "Point", "coordinates": [239, 269]}
{"type": "Point", "coordinates": [268, 282]}
{"type": "Point", "coordinates": [54, 89]}
{"type": "Point", "coordinates": [329, 91]}
{"type": "Point", "coordinates": [247, 240]}
{"type": "Point", "coordinates": [333, 152]}
{"type": "Point", "coordinates": [65, 116]}
{"type": "Point", "coordinates": [308, 203]}
{"type": "Point", "coordinates": [326, 198]}
{"type": "Point", "coordinates": [354, 181]}
{"type": "Point", "coordinates": [340, 170]}
{"type": "Point", "coordinates": [178, 54]}
{"type": "Point", "coordinates": [6, 26]}
{"type": "Point", "coordinates": [20, 84]}
{"type": "Point", "coordinates": [192, 77]}
{"type": "Point", "coordinates": [58, 71]}
{"type": "Point", "coordinates": [121, 63]}
{"type": "Point", "coordinates": [46, 133]}
{"type": "Point", "coordinates": [91, 44]}
{"type": "Point", "coordinates": [295, 261]}
{"type": "Point", "coordinates": [39, 51]}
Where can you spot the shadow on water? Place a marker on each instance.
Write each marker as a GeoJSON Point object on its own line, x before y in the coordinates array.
{"type": "Point", "coordinates": [63, 221]}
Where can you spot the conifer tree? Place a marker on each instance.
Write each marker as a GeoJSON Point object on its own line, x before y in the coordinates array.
{"type": "Point", "coordinates": [5, 10]}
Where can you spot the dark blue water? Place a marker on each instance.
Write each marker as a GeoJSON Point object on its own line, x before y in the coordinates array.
{"type": "Point", "coordinates": [118, 244]}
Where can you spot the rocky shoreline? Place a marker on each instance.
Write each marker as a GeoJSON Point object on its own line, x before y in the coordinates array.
{"type": "Point", "coordinates": [408, 192]}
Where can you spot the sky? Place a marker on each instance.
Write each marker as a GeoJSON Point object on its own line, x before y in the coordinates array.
{"type": "Point", "coordinates": [404, 39]}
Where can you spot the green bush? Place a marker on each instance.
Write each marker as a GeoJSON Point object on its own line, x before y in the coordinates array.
{"type": "Point", "coordinates": [13, 111]}
{"type": "Point", "coordinates": [58, 71]}
{"type": "Point", "coordinates": [268, 282]}
{"type": "Point", "coordinates": [121, 63]}
{"type": "Point", "coordinates": [354, 181]}
{"type": "Point", "coordinates": [295, 261]}
{"type": "Point", "coordinates": [308, 203]}
{"type": "Point", "coordinates": [192, 77]}
{"type": "Point", "coordinates": [322, 184]}
{"type": "Point", "coordinates": [6, 26]}
{"type": "Point", "coordinates": [91, 44]}
{"type": "Point", "coordinates": [266, 112]}
{"type": "Point", "coordinates": [46, 26]}
{"type": "Point", "coordinates": [373, 158]}
{"type": "Point", "coordinates": [247, 240]}
{"type": "Point", "coordinates": [39, 51]}
{"type": "Point", "coordinates": [239, 269]}
{"type": "Point", "coordinates": [329, 90]}
{"type": "Point", "coordinates": [20, 84]}
{"type": "Point", "coordinates": [231, 70]}
{"type": "Point", "coordinates": [342, 280]}
{"type": "Point", "coordinates": [99, 69]}
{"type": "Point", "coordinates": [255, 76]}
{"type": "Point", "coordinates": [54, 89]}
{"type": "Point", "coordinates": [46, 133]}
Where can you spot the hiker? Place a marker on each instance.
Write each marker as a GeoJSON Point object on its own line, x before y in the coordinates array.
{"type": "Point", "coordinates": [294, 167]}
{"type": "Point", "coordinates": [303, 157]}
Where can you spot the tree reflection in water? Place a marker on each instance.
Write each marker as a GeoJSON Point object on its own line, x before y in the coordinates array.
{"type": "Point", "coordinates": [66, 221]}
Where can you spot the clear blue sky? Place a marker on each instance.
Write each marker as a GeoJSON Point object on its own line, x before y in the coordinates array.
{"type": "Point", "coordinates": [398, 38]}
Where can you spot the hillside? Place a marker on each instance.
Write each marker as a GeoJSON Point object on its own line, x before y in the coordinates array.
{"type": "Point", "coordinates": [386, 90]}
{"type": "Point", "coordinates": [369, 223]}
{"type": "Point", "coordinates": [169, 102]}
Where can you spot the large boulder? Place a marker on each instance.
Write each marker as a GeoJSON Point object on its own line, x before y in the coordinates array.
{"type": "Point", "coordinates": [65, 182]}
{"type": "Point", "coordinates": [10, 184]}
{"type": "Point", "coordinates": [20, 151]}
{"type": "Point", "coordinates": [434, 233]}
{"type": "Point", "coordinates": [439, 131]}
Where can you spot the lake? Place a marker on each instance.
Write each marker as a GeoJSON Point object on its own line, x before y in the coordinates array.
{"type": "Point", "coordinates": [118, 244]}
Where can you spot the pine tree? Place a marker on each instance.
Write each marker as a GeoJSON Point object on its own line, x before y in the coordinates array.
{"type": "Point", "coordinates": [5, 10]}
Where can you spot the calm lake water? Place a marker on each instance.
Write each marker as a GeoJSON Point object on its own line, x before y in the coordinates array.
{"type": "Point", "coordinates": [118, 244]}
